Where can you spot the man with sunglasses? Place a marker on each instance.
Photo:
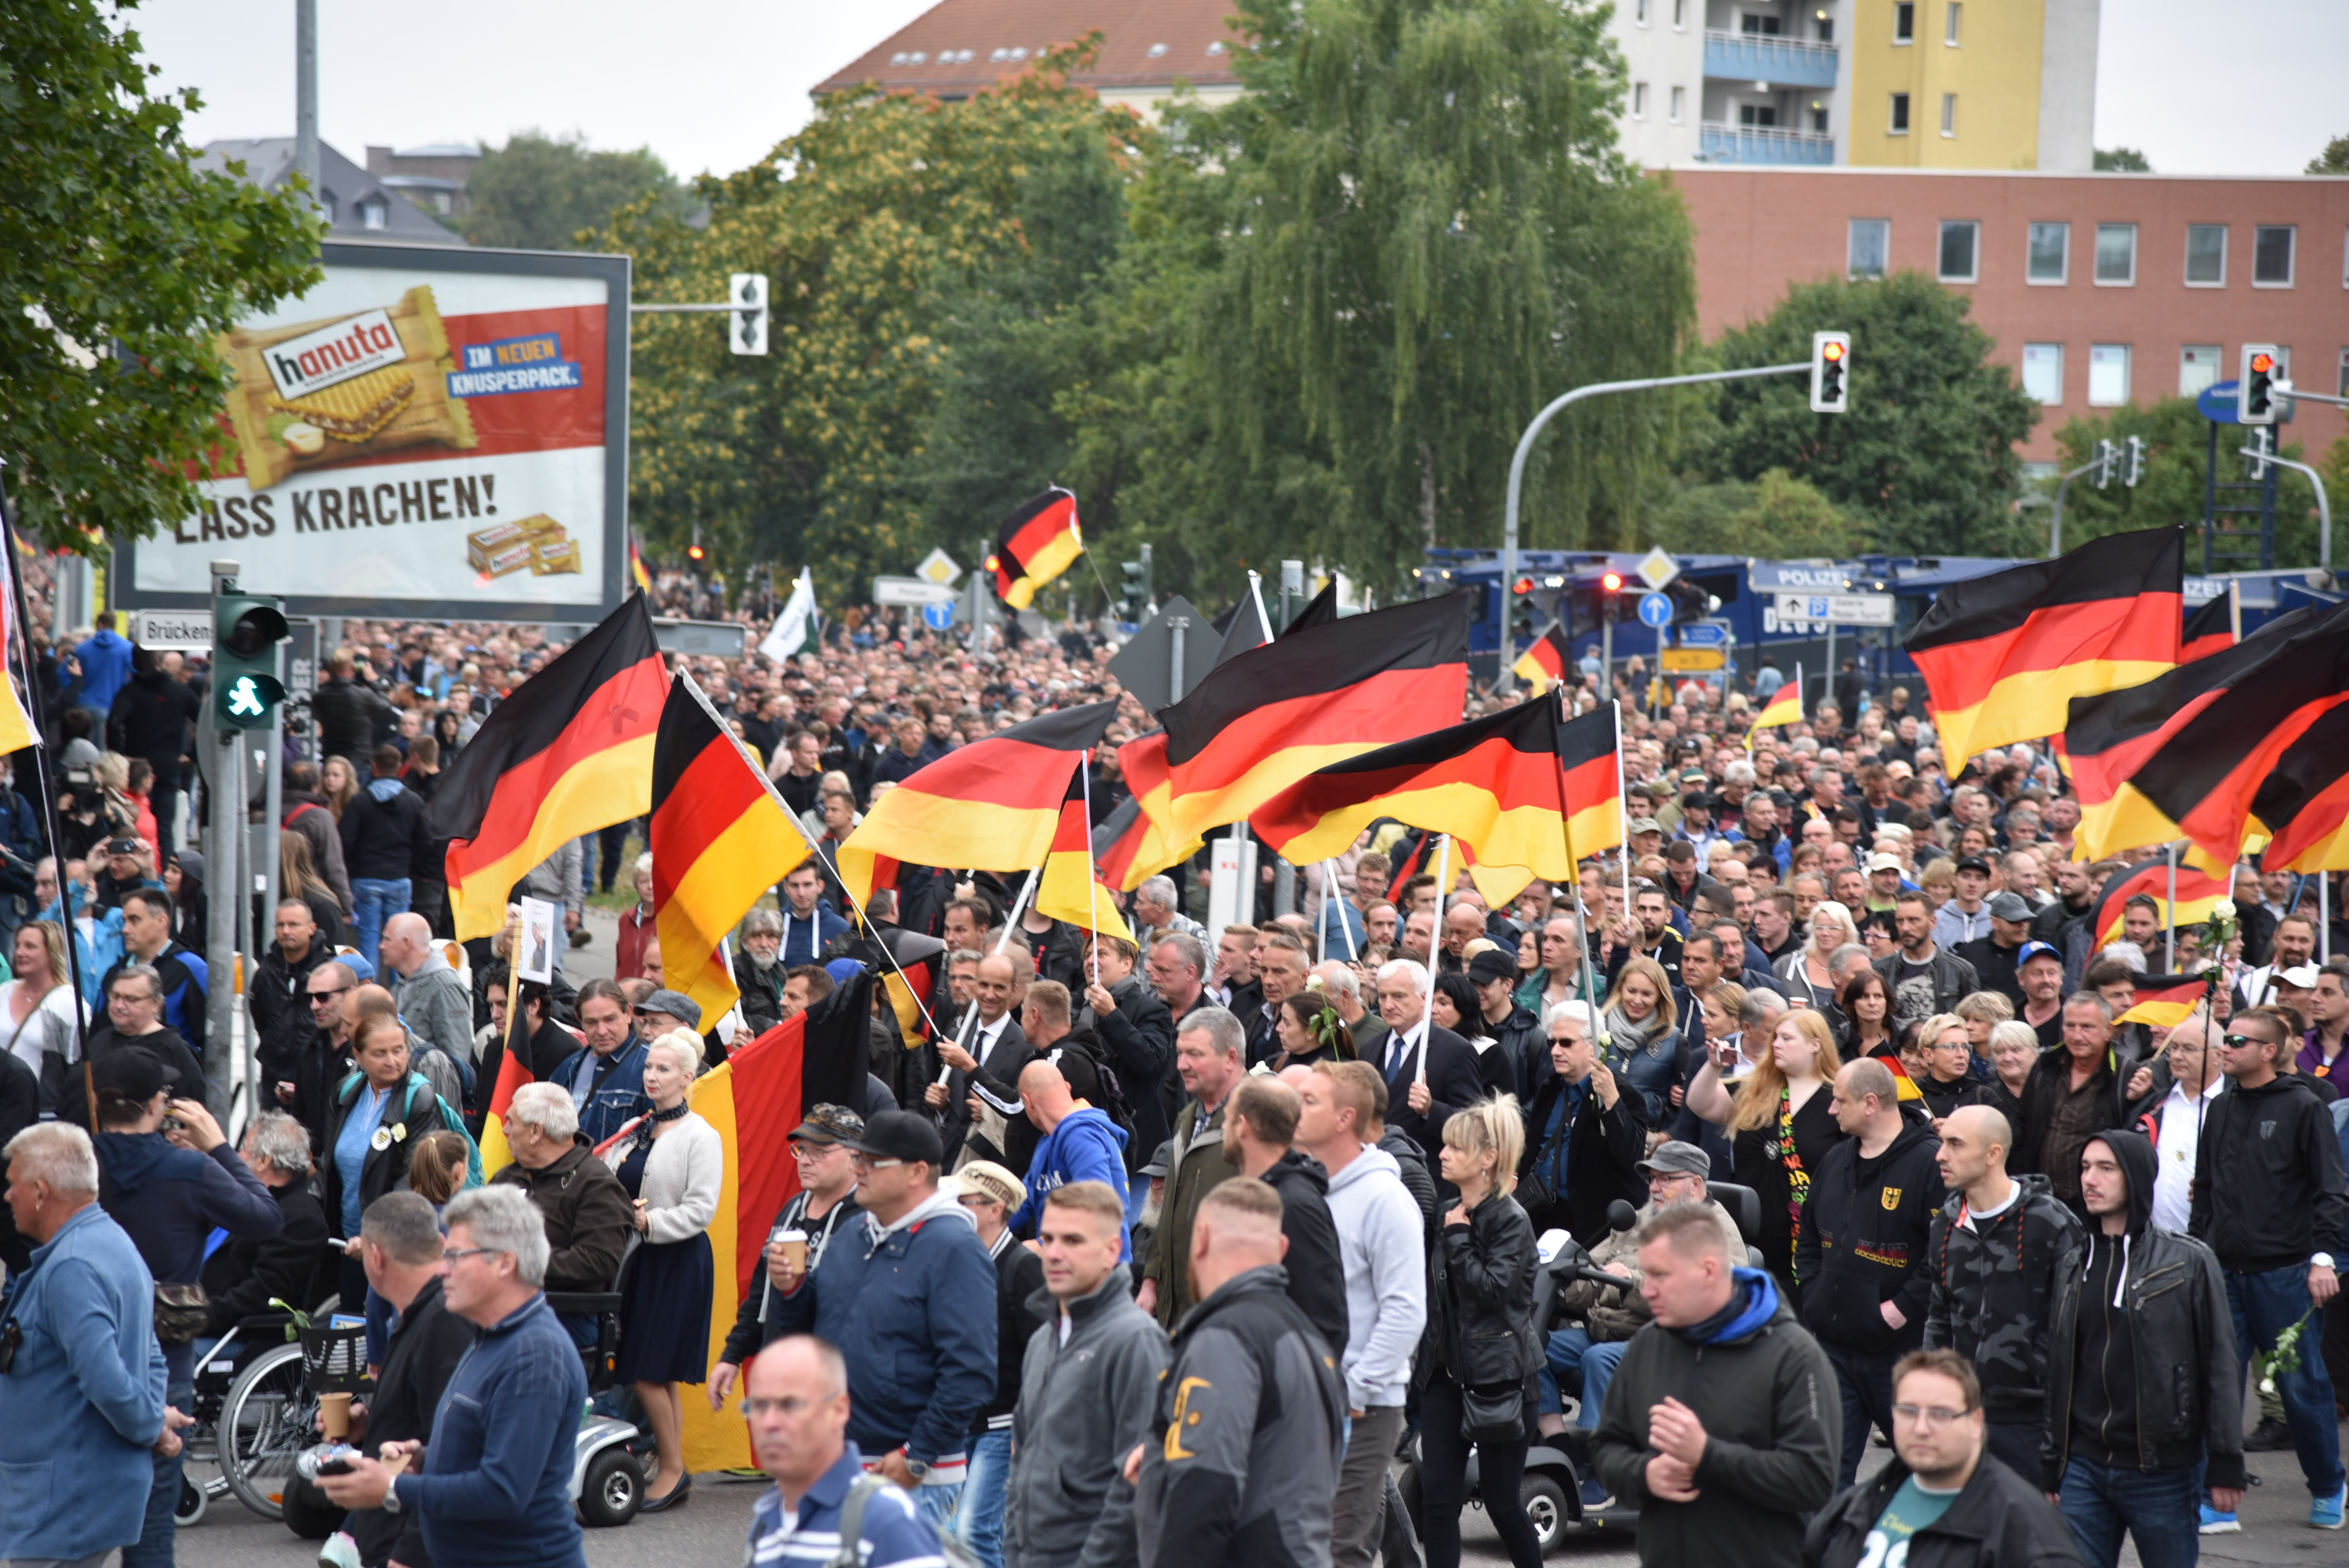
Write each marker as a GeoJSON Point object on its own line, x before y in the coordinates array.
{"type": "Point", "coordinates": [825, 1201]}
{"type": "Point", "coordinates": [306, 1086]}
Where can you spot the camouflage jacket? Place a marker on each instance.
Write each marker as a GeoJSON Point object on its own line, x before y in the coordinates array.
{"type": "Point", "coordinates": [1994, 1287]}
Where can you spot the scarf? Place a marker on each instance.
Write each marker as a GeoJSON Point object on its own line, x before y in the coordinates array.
{"type": "Point", "coordinates": [644, 1139]}
{"type": "Point", "coordinates": [1625, 1037]}
{"type": "Point", "coordinates": [1798, 1180]}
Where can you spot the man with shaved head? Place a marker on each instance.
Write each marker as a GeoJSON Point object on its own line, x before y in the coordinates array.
{"type": "Point", "coordinates": [2001, 1248]}
{"type": "Point", "coordinates": [434, 1003]}
{"type": "Point", "coordinates": [795, 1401]}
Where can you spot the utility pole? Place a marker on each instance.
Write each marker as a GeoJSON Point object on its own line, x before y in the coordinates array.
{"type": "Point", "coordinates": [306, 95]}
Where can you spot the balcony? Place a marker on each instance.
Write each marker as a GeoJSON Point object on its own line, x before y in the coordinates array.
{"type": "Point", "coordinates": [1763, 144]}
{"type": "Point", "coordinates": [1765, 57]}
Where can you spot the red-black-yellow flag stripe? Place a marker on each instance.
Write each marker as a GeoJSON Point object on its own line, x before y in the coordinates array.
{"type": "Point", "coordinates": [1545, 662]}
{"type": "Point", "coordinates": [2209, 629]}
{"type": "Point", "coordinates": [1066, 890]}
{"type": "Point", "coordinates": [2003, 655]}
{"type": "Point", "coordinates": [1589, 773]}
{"type": "Point", "coordinates": [2304, 801]}
{"type": "Point", "coordinates": [2164, 1001]}
{"type": "Point", "coordinates": [1036, 542]}
{"type": "Point", "coordinates": [2199, 893]}
{"type": "Point", "coordinates": [569, 752]}
{"type": "Point", "coordinates": [1264, 719]}
{"type": "Point", "coordinates": [1144, 848]}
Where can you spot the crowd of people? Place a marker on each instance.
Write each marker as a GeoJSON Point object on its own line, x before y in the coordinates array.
{"type": "Point", "coordinates": [1164, 1250]}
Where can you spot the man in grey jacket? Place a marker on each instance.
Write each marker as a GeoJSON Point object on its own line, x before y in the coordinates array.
{"type": "Point", "coordinates": [1086, 1389]}
{"type": "Point", "coordinates": [434, 1004]}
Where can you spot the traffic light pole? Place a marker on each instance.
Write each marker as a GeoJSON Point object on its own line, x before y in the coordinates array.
{"type": "Point", "coordinates": [2323, 507]}
{"type": "Point", "coordinates": [2055, 525]}
{"type": "Point", "coordinates": [1507, 677]}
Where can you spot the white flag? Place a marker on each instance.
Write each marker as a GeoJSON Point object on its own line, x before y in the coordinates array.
{"type": "Point", "coordinates": [795, 628]}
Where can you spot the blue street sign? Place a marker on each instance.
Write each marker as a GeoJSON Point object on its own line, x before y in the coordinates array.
{"type": "Point", "coordinates": [1655, 609]}
{"type": "Point", "coordinates": [939, 616]}
{"type": "Point", "coordinates": [1704, 634]}
{"type": "Point", "coordinates": [2216, 403]}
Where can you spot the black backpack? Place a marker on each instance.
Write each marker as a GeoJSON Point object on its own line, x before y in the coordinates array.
{"type": "Point", "coordinates": [1112, 1101]}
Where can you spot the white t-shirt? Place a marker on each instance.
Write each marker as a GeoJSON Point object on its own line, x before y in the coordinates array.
{"type": "Point", "coordinates": [2181, 1129]}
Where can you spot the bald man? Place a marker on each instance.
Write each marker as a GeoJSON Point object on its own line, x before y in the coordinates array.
{"type": "Point", "coordinates": [1999, 1247]}
{"type": "Point", "coordinates": [981, 1097]}
{"type": "Point", "coordinates": [1080, 1144]}
{"type": "Point", "coordinates": [434, 1003]}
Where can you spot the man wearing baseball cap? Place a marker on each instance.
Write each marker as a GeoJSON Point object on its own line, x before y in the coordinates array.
{"type": "Point", "coordinates": [2039, 976]}
{"type": "Point", "coordinates": [909, 1295]}
{"type": "Point", "coordinates": [825, 1201]}
{"type": "Point", "coordinates": [1515, 1032]}
{"type": "Point", "coordinates": [1994, 956]}
{"type": "Point", "coordinates": [1964, 918]}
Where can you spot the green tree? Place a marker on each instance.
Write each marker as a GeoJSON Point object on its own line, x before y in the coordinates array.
{"type": "Point", "coordinates": [2334, 159]}
{"type": "Point", "coordinates": [1778, 516]}
{"type": "Point", "coordinates": [2122, 160]}
{"type": "Point", "coordinates": [1925, 456]}
{"type": "Point", "coordinates": [120, 259]}
{"type": "Point", "coordinates": [540, 192]}
{"type": "Point", "coordinates": [2172, 488]}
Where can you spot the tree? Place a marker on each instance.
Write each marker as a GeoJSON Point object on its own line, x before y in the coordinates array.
{"type": "Point", "coordinates": [120, 260]}
{"type": "Point", "coordinates": [1778, 516]}
{"type": "Point", "coordinates": [2122, 160]}
{"type": "Point", "coordinates": [2334, 159]}
{"type": "Point", "coordinates": [1925, 455]}
{"type": "Point", "coordinates": [2172, 488]}
{"type": "Point", "coordinates": [539, 192]}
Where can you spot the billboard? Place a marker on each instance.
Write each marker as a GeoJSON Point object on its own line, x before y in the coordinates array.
{"type": "Point", "coordinates": [431, 432]}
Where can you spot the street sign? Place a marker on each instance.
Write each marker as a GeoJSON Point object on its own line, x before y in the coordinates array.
{"type": "Point", "coordinates": [1848, 609]}
{"type": "Point", "coordinates": [1144, 665]}
{"type": "Point", "coordinates": [2216, 402]}
{"type": "Point", "coordinates": [937, 566]}
{"type": "Point", "coordinates": [1705, 635]}
{"type": "Point", "coordinates": [1655, 609]}
{"type": "Point", "coordinates": [1657, 568]}
{"type": "Point", "coordinates": [703, 639]}
{"type": "Point", "coordinates": [182, 629]}
{"type": "Point", "coordinates": [1695, 661]}
{"type": "Point", "coordinates": [938, 617]}
{"type": "Point", "coordinates": [909, 591]}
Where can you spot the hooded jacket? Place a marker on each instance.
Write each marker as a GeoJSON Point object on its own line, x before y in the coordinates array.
{"type": "Point", "coordinates": [168, 1200]}
{"type": "Point", "coordinates": [1864, 1244]}
{"type": "Point", "coordinates": [380, 827]}
{"type": "Point", "coordinates": [1084, 1404]}
{"type": "Point", "coordinates": [1993, 1289]}
{"type": "Point", "coordinates": [1383, 1250]}
{"type": "Point", "coordinates": [1138, 1040]}
{"type": "Point", "coordinates": [1996, 1521]}
{"type": "Point", "coordinates": [2181, 1337]}
{"type": "Point", "coordinates": [1086, 1146]}
{"type": "Point", "coordinates": [2268, 1183]}
{"type": "Point", "coordinates": [1316, 1269]}
{"type": "Point", "coordinates": [1773, 1425]}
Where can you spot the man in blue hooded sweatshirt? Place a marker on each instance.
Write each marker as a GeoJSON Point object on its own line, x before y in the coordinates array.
{"type": "Point", "coordinates": [1081, 1145]}
{"type": "Point", "coordinates": [1723, 1426]}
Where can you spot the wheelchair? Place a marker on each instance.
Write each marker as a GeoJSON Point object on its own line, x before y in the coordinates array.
{"type": "Point", "coordinates": [254, 1413]}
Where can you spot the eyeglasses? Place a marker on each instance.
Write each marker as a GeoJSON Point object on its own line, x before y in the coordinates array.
{"type": "Point", "coordinates": [450, 1255]}
{"type": "Point", "coordinates": [1928, 1415]}
{"type": "Point", "coordinates": [858, 1156]}
{"type": "Point", "coordinates": [318, 997]}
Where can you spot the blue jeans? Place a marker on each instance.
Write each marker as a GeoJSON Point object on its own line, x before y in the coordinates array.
{"type": "Point", "coordinates": [937, 1505]}
{"type": "Point", "coordinates": [979, 1520]}
{"type": "Point", "coordinates": [1867, 1385]}
{"type": "Point", "coordinates": [153, 1547]}
{"type": "Point", "coordinates": [1567, 1351]}
{"type": "Point", "coordinates": [2158, 1508]}
{"type": "Point", "coordinates": [2265, 1305]}
{"type": "Point", "coordinates": [375, 900]}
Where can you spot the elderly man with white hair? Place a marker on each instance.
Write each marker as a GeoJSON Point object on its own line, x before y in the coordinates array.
{"type": "Point", "coordinates": [1157, 912]}
{"type": "Point", "coordinates": [589, 1216]}
{"type": "Point", "coordinates": [1419, 1102]}
{"type": "Point", "coordinates": [494, 1485]}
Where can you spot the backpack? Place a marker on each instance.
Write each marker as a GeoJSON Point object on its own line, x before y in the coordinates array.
{"type": "Point", "coordinates": [852, 1530]}
{"type": "Point", "coordinates": [449, 1120]}
{"type": "Point", "coordinates": [1113, 1102]}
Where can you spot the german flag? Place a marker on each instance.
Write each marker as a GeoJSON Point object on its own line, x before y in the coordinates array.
{"type": "Point", "coordinates": [2209, 629]}
{"type": "Point", "coordinates": [720, 838]}
{"type": "Point", "coordinates": [1264, 720]}
{"type": "Point", "coordinates": [2003, 655]}
{"type": "Point", "coordinates": [1067, 889]}
{"type": "Point", "coordinates": [2107, 737]}
{"type": "Point", "coordinates": [1904, 1088]}
{"type": "Point", "coordinates": [2164, 1001]}
{"type": "Point", "coordinates": [2304, 801]}
{"type": "Point", "coordinates": [514, 1071]}
{"type": "Point", "coordinates": [1036, 543]}
{"type": "Point", "coordinates": [2198, 892]}
{"type": "Point", "coordinates": [993, 805]}
{"type": "Point", "coordinates": [1145, 845]}
{"type": "Point", "coordinates": [1491, 783]}
{"type": "Point", "coordinates": [2206, 773]}
{"type": "Point", "coordinates": [1589, 773]}
{"type": "Point", "coordinates": [570, 752]}
{"type": "Point", "coordinates": [1545, 664]}
{"type": "Point", "coordinates": [1785, 707]}
{"type": "Point", "coordinates": [636, 572]}
{"type": "Point", "coordinates": [1413, 855]}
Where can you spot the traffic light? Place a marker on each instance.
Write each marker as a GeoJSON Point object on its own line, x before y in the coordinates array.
{"type": "Point", "coordinates": [1136, 585]}
{"type": "Point", "coordinates": [1612, 583]}
{"type": "Point", "coordinates": [2255, 386]}
{"type": "Point", "coordinates": [1525, 613]}
{"type": "Point", "coordinates": [246, 630]}
{"type": "Point", "coordinates": [2135, 469]}
{"type": "Point", "coordinates": [746, 323]}
{"type": "Point", "coordinates": [2104, 464]}
{"type": "Point", "coordinates": [1830, 360]}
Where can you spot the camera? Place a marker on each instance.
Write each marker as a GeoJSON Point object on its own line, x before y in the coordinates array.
{"type": "Point", "coordinates": [325, 1459]}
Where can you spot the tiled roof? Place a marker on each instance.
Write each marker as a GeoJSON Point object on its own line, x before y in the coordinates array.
{"type": "Point", "coordinates": [959, 46]}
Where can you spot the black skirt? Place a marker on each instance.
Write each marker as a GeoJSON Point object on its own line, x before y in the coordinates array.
{"type": "Point", "coordinates": [665, 1314]}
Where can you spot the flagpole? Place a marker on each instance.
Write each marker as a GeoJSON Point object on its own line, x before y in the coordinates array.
{"type": "Point", "coordinates": [2170, 916]}
{"type": "Point", "coordinates": [1010, 923]}
{"type": "Point", "coordinates": [1581, 925]}
{"type": "Point", "coordinates": [1256, 590]}
{"type": "Point", "coordinates": [1093, 879]}
{"type": "Point", "coordinates": [1329, 891]}
{"type": "Point", "coordinates": [1622, 813]}
{"type": "Point", "coordinates": [24, 640]}
{"type": "Point", "coordinates": [1434, 945]}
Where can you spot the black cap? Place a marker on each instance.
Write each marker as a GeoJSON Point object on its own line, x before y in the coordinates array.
{"type": "Point", "coordinates": [134, 1073]}
{"type": "Point", "coordinates": [901, 1135]}
{"type": "Point", "coordinates": [1974, 863]}
{"type": "Point", "coordinates": [828, 1124]}
{"type": "Point", "coordinates": [1492, 965]}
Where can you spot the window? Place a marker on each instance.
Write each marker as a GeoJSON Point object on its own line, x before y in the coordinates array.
{"type": "Point", "coordinates": [1900, 126]}
{"type": "Point", "coordinates": [1679, 104]}
{"type": "Point", "coordinates": [1904, 22]}
{"type": "Point", "coordinates": [2043, 373]}
{"type": "Point", "coordinates": [2116, 254]}
{"type": "Point", "coordinates": [1679, 14]}
{"type": "Point", "coordinates": [2198, 366]}
{"type": "Point", "coordinates": [1639, 13]}
{"type": "Point", "coordinates": [1959, 240]}
{"type": "Point", "coordinates": [1949, 114]}
{"type": "Point", "coordinates": [2050, 257]}
{"type": "Point", "coordinates": [2271, 256]}
{"type": "Point", "coordinates": [373, 213]}
{"type": "Point", "coordinates": [1757, 114]}
{"type": "Point", "coordinates": [1638, 100]}
{"type": "Point", "coordinates": [1757, 26]}
{"type": "Point", "coordinates": [1949, 28]}
{"type": "Point", "coordinates": [1870, 249]}
{"type": "Point", "coordinates": [2206, 255]}
{"type": "Point", "coordinates": [1826, 29]}
{"type": "Point", "coordinates": [2341, 388]}
{"type": "Point", "coordinates": [2109, 374]}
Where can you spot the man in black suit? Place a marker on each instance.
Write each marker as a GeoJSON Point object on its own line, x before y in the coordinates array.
{"type": "Point", "coordinates": [985, 1082]}
{"type": "Point", "coordinates": [1418, 1105]}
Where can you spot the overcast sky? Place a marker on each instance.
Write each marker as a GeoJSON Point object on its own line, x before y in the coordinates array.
{"type": "Point", "coordinates": [714, 84]}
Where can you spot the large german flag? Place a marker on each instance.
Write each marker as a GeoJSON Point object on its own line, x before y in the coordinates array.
{"type": "Point", "coordinates": [1545, 664]}
{"type": "Point", "coordinates": [1143, 845]}
{"type": "Point", "coordinates": [1785, 707]}
{"type": "Point", "coordinates": [993, 805]}
{"type": "Point", "coordinates": [720, 838]}
{"type": "Point", "coordinates": [1491, 783]}
{"type": "Point", "coordinates": [2209, 628]}
{"type": "Point", "coordinates": [1264, 720]}
{"type": "Point", "coordinates": [2003, 655]}
{"type": "Point", "coordinates": [1067, 889]}
{"type": "Point", "coordinates": [2109, 736]}
{"type": "Point", "coordinates": [1590, 774]}
{"type": "Point", "coordinates": [2304, 801]}
{"type": "Point", "coordinates": [2164, 1001]}
{"type": "Point", "coordinates": [2206, 773]}
{"type": "Point", "coordinates": [2198, 892]}
{"type": "Point", "coordinates": [570, 752]}
{"type": "Point", "coordinates": [1036, 542]}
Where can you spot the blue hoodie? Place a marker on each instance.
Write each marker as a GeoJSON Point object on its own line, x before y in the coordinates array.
{"type": "Point", "coordinates": [1752, 1302]}
{"type": "Point", "coordinates": [1087, 1146]}
{"type": "Point", "coordinates": [104, 670]}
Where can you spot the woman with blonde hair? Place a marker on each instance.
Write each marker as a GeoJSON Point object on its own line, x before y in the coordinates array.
{"type": "Point", "coordinates": [673, 1166]}
{"type": "Point", "coordinates": [297, 875]}
{"type": "Point", "coordinates": [1809, 970]}
{"type": "Point", "coordinates": [37, 1007]}
{"type": "Point", "coordinates": [338, 781]}
{"type": "Point", "coordinates": [1643, 1036]}
{"type": "Point", "coordinates": [1478, 1356]}
{"type": "Point", "coordinates": [1781, 1126]}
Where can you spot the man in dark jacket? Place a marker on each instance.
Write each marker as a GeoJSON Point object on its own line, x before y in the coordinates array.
{"type": "Point", "coordinates": [1940, 1504]}
{"type": "Point", "coordinates": [758, 973]}
{"type": "Point", "coordinates": [1722, 1425]}
{"type": "Point", "coordinates": [1516, 1033]}
{"type": "Point", "coordinates": [1258, 1129]}
{"type": "Point", "coordinates": [276, 993]}
{"type": "Point", "coordinates": [380, 827]}
{"type": "Point", "coordinates": [400, 1238]}
{"type": "Point", "coordinates": [245, 1273]}
{"type": "Point", "coordinates": [1419, 1102]}
{"type": "Point", "coordinates": [1992, 956]}
{"type": "Point", "coordinates": [2270, 1199]}
{"type": "Point", "coordinates": [1920, 960]}
{"type": "Point", "coordinates": [1136, 1033]}
{"type": "Point", "coordinates": [349, 712]}
{"type": "Point", "coordinates": [2145, 1391]}
{"type": "Point", "coordinates": [134, 1010]}
{"type": "Point", "coordinates": [2070, 1095]}
{"type": "Point", "coordinates": [587, 1212]}
{"type": "Point", "coordinates": [150, 718]}
{"type": "Point", "coordinates": [1584, 1136]}
{"type": "Point", "coordinates": [1998, 1250]}
{"type": "Point", "coordinates": [1861, 1257]}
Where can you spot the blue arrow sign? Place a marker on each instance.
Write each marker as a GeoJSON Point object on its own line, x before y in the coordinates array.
{"type": "Point", "coordinates": [1655, 609]}
{"type": "Point", "coordinates": [939, 616]}
{"type": "Point", "coordinates": [2216, 402]}
{"type": "Point", "coordinates": [1704, 634]}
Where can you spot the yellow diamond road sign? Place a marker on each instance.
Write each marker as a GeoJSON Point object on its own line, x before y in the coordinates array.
{"type": "Point", "coordinates": [1657, 568]}
{"type": "Point", "coordinates": [939, 567]}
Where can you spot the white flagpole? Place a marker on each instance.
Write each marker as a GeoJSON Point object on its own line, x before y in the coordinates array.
{"type": "Point", "coordinates": [1434, 945]}
{"type": "Point", "coordinates": [2170, 917]}
{"type": "Point", "coordinates": [1329, 891]}
{"type": "Point", "coordinates": [1011, 923]}
{"type": "Point", "coordinates": [1092, 882]}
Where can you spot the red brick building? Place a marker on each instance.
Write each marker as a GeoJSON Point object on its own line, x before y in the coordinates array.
{"type": "Point", "coordinates": [2100, 289]}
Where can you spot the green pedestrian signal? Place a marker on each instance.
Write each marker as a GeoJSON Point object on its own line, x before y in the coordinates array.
{"type": "Point", "coordinates": [246, 632]}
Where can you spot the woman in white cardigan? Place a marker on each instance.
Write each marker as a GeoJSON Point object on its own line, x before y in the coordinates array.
{"type": "Point", "coordinates": [673, 1165]}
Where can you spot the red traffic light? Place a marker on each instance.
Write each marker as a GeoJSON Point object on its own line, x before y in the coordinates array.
{"type": "Point", "coordinates": [2263, 363]}
{"type": "Point", "coordinates": [1832, 352]}
{"type": "Point", "coordinates": [994, 564]}
{"type": "Point", "coordinates": [693, 552]}
{"type": "Point", "coordinates": [1522, 585]}
{"type": "Point", "coordinates": [1612, 582]}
